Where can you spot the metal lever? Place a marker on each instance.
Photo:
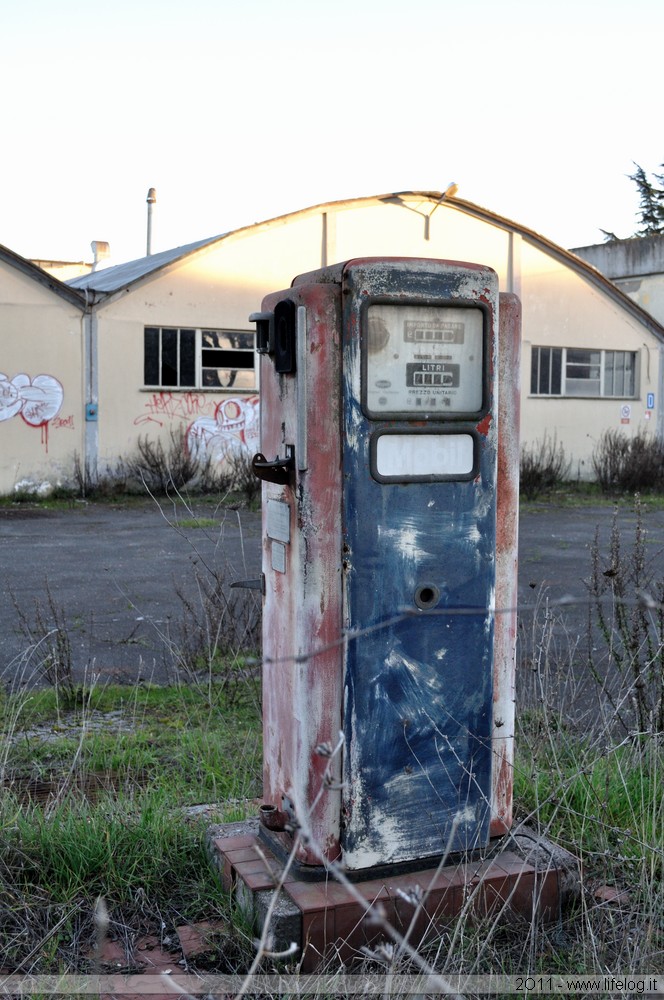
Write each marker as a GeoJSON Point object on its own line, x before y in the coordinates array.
{"type": "Point", "coordinates": [258, 584]}
{"type": "Point", "coordinates": [277, 471]}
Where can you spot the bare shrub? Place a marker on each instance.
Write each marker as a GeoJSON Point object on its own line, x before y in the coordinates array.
{"type": "Point", "coordinates": [50, 650]}
{"type": "Point", "coordinates": [219, 637]}
{"type": "Point", "coordinates": [543, 467]}
{"type": "Point", "coordinates": [627, 608]}
{"type": "Point", "coordinates": [161, 469]}
{"type": "Point", "coordinates": [625, 464]}
{"type": "Point", "coordinates": [241, 476]}
{"type": "Point", "coordinates": [233, 474]}
{"type": "Point", "coordinates": [90, 482]}
{"type": "Point", "coordinates": [164, 468]}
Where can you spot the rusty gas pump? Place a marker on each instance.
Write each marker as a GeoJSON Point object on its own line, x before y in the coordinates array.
{"type": "Point", "coordinates": [389, 460]}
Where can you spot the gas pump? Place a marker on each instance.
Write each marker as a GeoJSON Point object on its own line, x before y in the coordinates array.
{"type": "Point", "coordinates": [384, 443]}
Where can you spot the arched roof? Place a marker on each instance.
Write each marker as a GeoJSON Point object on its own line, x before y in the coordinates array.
{"type": "Point", "coordinates": [115, 279]}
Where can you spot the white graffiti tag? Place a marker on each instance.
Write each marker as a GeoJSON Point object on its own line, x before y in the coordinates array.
{"type": "Point", "coordinates": [37, 400]}
{"type": "Point", "coordinates": [234, 428]}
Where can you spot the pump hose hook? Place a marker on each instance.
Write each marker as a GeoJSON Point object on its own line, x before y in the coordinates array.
{"type": "Point", "coordinates": [277, 471]}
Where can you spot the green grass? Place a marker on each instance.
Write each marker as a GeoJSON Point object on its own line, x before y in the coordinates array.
{"type": "Point", "coordinates": [113, 823]}
{"type": "Point", "coordinates": [109, 849]}
{"type": "Point", "coordinates": [172, 739]}
{"type": "Point", "coordinates": [596, 799]}
{"type": "Point", "coordinates": [197, 522]}
{"type": "Point", "coordinates": [584, 494]}
{"type": "Point", "coordinates": [137, 848]}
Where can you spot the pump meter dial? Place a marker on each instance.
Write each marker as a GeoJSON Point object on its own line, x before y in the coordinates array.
{"type": "Point", "coordinates": [423, 360]}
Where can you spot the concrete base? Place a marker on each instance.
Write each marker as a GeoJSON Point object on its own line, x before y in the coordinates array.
{"type": "Point", "coordinates": [521, 875]}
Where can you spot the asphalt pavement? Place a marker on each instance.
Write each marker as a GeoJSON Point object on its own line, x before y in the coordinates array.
{"type": "Point", "coordinates": [126, 580]}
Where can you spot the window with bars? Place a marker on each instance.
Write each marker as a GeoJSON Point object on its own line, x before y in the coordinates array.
{"type": "Point", "coordinates": [198, 358]}
{"type": "Point", "coordinates": [573, 371]}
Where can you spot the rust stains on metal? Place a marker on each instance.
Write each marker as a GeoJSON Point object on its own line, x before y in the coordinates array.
{"type": "Point", "coordinates": [507, 517]}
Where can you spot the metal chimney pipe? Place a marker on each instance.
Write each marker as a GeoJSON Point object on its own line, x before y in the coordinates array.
{"type": "Point", "coordinates": [152, 199]}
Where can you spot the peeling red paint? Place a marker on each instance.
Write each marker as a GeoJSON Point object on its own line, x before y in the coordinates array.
{"type": "Point", "coordinates": [503, 782]}
{"type": "Point", "coordinates": [485, 424]}
{"type": "Point", "coordinates": [302, 685]}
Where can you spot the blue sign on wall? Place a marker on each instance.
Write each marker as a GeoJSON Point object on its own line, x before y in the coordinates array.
{"type": "Point", "coordinates": [650, 401]}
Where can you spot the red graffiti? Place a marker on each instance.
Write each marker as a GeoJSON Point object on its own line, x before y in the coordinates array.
{"type": "Point", "coordinates": [164, 406]}
{"type": "Point", "coordinates": [64, 423]}
{"type": "Point", "coordinates": [36, 400]}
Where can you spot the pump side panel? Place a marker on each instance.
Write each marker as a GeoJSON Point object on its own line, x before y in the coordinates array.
{"type": "Point", "coordinates": [507, 532]}
{"type": "Point", "coordinates": [302, 678]}
{"type": "Point", "coordinates": [418, 685]}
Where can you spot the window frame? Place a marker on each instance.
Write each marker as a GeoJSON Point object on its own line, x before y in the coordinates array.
{"type": "Point", "coordinates": [552, 364]}
{"type": "Point", "coordinates": [156, 364]}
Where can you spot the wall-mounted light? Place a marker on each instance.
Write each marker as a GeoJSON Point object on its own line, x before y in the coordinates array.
{"type": "Point", "coordinates": [449, 192]}
{"type": "Point", "coordinates": [396, 199]}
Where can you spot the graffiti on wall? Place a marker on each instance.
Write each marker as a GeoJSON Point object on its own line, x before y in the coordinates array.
{"type": "Point", "coordinates": [213, 429]}
{"type": "Point", "coordinates": [234, 427]}
{"type": "Point", "coordinates": [36, 400]}
{"type": "Point", "coordinates": [64, 423]}
{"type": "Point", "coordinates": [163, 406]}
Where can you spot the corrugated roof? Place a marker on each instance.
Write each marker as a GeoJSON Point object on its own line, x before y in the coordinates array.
{"type": "Point", "coordinates": [113, 279]}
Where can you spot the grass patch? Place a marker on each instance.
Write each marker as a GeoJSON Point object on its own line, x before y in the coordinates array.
{"type": "Point", "coordinates": [93, 806]}
{"type": "Point", "coordinates": [585, 494]}
{"type": "Point", "coordinates": [171, 738]}
{"type": "Point", "coordinates": [603, 801]}
{"type": "Point", "coordinates": [197, 522]}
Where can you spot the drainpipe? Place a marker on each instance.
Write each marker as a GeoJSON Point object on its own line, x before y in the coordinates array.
{"type": "Point", "coordinates": [514, 263]}
{"type": "Point", "coordinates": [660, 396]}
{"type": "Point", "coordinates": [91, 391]}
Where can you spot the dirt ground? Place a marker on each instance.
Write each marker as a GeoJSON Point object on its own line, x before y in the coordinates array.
{"type": "Point", "coordinates": [119, 576]}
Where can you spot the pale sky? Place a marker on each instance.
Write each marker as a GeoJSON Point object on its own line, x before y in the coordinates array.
{"type": "Point", "coordinates": [240, 110]}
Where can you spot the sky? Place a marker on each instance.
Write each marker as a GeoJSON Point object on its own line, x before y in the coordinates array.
{"type": "Point", "coordinates": [237, 111]}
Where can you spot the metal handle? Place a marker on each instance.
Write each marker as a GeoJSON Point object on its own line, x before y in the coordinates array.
{"type": "Point", "coordinates": [277, 471]}
{"type": "Point", "coordinates": [258, 584]}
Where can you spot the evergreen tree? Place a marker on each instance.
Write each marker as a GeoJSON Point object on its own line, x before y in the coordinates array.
{"type": "Point", "coordinates": [651, 202]}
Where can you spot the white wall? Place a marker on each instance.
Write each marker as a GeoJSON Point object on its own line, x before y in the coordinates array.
{"type": "Point", "coordinates": [41, 397]}
{"type": "Point", "coordinates": [221, 285]}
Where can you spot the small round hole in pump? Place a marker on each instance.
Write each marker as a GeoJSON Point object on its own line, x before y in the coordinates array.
{"type": "Point", "coordinates": [427, 596]}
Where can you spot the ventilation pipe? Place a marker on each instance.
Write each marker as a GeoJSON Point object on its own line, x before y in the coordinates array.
{"type": "Point", "coordinates": [100, 251]}
{"type": "Point", "coordinates": [152, 200]}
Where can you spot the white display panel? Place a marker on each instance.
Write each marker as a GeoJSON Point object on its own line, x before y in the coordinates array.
{"type": "Point", "coordinates": [406, 456]}
{"type": "Point", "coordinates": [423, 360]}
